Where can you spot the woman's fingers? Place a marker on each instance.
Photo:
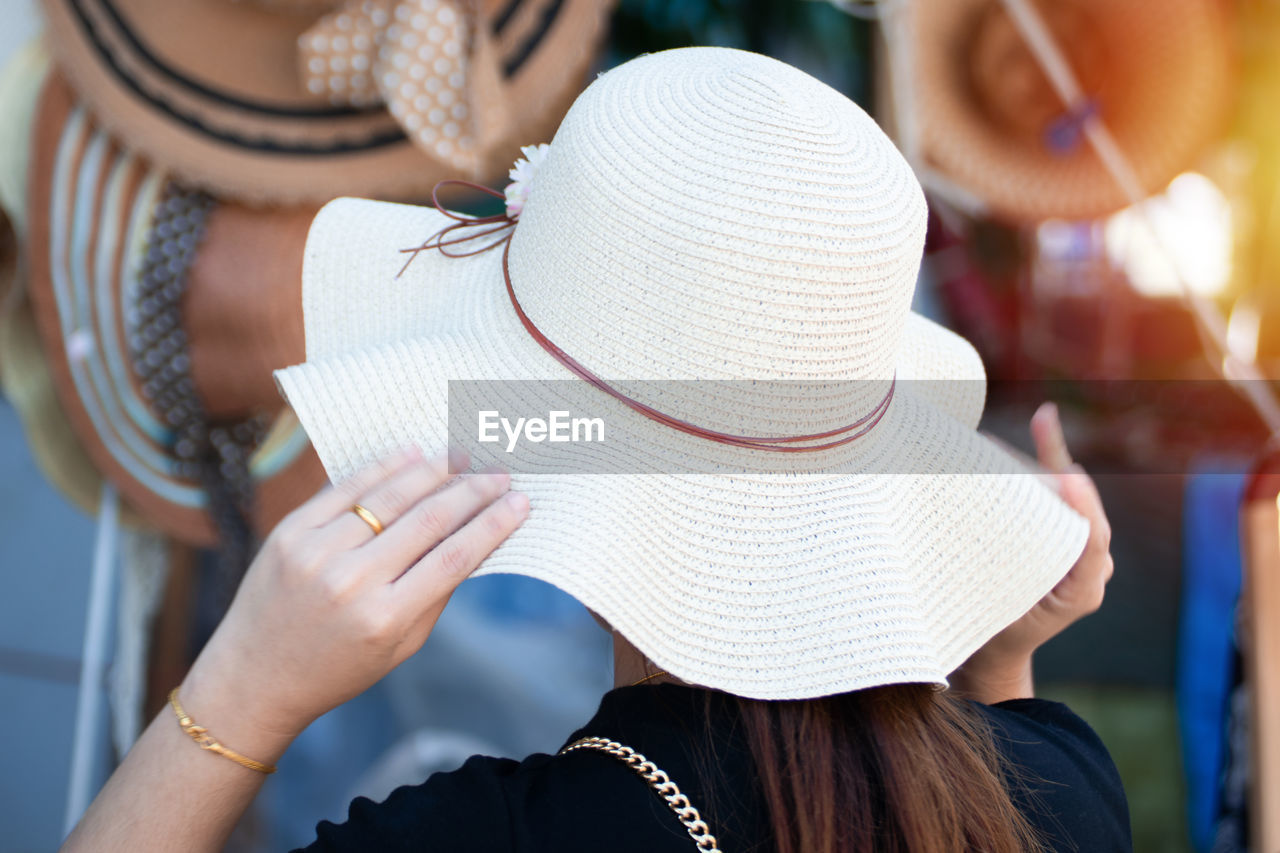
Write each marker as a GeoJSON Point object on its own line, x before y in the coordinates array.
{"type": "Point", "coordinates": [432, 520]}
{"type": "Point", "coordinates": [1051, 444]}
{"type": "Point", "coordinates": [1078, 490]}
{"type": "Point", "coordinates": [1075, 486]}
{"type": "Point", "coordinates": [433, 578]}
{"type": "Point", "coordinates": [1081, 494]}
{"type": "Point", "coordinates": [387, 501]}
{"type": "Point", "coordinates": [1088, 578]}
{"type": "Point", "coordinates": [330, 502]}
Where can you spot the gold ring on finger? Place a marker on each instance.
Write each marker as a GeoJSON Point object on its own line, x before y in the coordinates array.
{"type": "Point", "coordinates": [368, 518]}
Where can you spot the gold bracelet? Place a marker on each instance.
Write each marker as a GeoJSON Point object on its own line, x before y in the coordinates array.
{"type": "Point", "coordinates": [206, 741]}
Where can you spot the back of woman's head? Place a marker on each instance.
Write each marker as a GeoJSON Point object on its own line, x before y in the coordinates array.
{"type": "Point", "coordinates": [890, 769]}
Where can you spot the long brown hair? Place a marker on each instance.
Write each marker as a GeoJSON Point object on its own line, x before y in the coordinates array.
{"type": "Point", "coordinates": [898, 769]}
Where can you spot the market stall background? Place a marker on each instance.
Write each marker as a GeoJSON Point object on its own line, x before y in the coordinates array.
{"type": "Point", "coordinates": [1057, 310]}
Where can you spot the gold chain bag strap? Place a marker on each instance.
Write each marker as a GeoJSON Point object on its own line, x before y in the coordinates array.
{"type": "Point", "coordinates": [659, 782]}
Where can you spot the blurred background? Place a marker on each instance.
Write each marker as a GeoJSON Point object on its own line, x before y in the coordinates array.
{"type": "Point", "coordinates": [1138, 290]}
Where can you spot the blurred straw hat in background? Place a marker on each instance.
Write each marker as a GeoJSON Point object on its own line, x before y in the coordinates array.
{"type": "Point", "coordinates": [272, 106]}
{"type": "Point", "coordinates": [1158, 74]}
{"type": "Point", "coordinates": [290, 101]}
{"type": "Point", "coordinates": [90, 216]}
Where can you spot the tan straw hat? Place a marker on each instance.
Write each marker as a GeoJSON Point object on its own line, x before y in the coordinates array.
{"type": "Point", "coordinates": [297, 101]}
{"type": "Point", "coordinates": [726, 225]}
{"type": "Point", "coordinates": [1157, 74]}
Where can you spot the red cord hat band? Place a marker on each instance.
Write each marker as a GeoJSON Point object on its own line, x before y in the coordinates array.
{"type": "Point", "coordinates": [504, 224]}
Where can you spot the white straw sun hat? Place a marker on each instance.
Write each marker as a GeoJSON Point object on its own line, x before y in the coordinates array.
{"type": "Point", "coordinates": [707, 214]}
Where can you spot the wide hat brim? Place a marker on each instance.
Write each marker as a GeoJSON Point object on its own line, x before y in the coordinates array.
{"type": "Point", "coordinates": [1160, 80]}
{"type": "Point", "coordinates": [89, 212]}
{"type": "Point", "coordinates": [211, 91]}
{"type": "Point", "coordinates": [771, 586]}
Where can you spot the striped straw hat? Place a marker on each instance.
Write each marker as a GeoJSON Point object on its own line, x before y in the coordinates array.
{"type": "Point", "coordinates": [714, 248]}
{"type": "Point", "coordinates": [291, 101]}
{"type": "Point", "coordinates": [94, 214]}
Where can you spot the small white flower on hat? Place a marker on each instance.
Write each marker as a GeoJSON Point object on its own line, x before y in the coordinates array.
{"type": "Point", "coordinates": [521, 176]}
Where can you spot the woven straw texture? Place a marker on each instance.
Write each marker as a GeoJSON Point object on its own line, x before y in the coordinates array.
{"type": "Point", "coordinates": [709, 214]}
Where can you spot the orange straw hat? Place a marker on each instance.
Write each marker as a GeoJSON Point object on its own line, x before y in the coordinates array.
{"type": "Point", "coordinates": [290, 101]}
{"type": "Point", "coordinates": [1158, 75]}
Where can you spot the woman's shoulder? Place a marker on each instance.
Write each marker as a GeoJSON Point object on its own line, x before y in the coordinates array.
{"type": "Point", "coordinates": [1064, 778]}
{"type": "Point", "coordinates": [498, 805]}
{"type": "Point", "coordinates": [459, 809]}
{"type": "Point", "coordinates": [545, 802]}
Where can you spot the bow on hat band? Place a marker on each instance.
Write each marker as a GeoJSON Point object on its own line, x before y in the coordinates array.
{"type": "Point", "coordinates": [431, 62]}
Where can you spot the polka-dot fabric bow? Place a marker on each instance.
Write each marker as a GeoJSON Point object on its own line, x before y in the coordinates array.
{"type": "Point", "coordinates": [413, 56]}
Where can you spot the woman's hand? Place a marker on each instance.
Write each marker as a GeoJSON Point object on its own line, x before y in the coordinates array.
{"type": "Point", "coordinates": [1001, 669]}
{"type": "Point", "coordinates": [328, 607]}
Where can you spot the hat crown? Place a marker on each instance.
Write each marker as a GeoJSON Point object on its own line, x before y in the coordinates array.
{"type": "Point", "coordinates": [724, 216]}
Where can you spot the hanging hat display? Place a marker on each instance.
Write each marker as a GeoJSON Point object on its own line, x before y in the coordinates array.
{"type": "Point", "coordinates": [990, 121]}
{"type": "Point", "coordinates": [292, 101]}
{"type": "Point", "coordinates": [179, 154]}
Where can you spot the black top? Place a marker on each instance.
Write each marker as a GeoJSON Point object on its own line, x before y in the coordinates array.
{"type": "Point", "coordinates": [590, 801]}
